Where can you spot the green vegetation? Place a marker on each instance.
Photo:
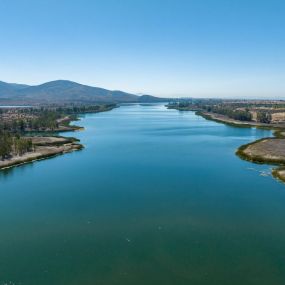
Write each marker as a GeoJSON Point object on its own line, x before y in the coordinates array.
{"type": "Point", "coordinates": [214, 106]}
{"type": "Point", "coordinates": [6, 143]}
{"type": "Point", "coordinates": [13, 145]}
{"type": "Point", "coordinates": [264, 117]}
{"type": "Point", "coordinates": [236, 114]}
{"type": "Point", "coordinates": [259, 111]}
{"type": "Point", "coordinates": [278, 173]}
{"type": "Point", "coordinates": [15, 123]}
{"type": "Point", "coordinates": [262, 114]}
{"type": "Point", "coordinates": [48, 118]}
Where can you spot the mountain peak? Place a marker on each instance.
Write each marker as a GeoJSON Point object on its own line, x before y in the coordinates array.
{"type": "Point", "coordinates": [61, 82]}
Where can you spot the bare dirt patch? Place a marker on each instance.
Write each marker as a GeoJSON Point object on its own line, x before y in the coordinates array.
{"type": "Point", "coordinates": [270, 150]}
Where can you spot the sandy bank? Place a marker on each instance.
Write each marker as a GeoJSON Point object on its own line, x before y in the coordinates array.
{"type": "Point", "coordinates": [44, 147]}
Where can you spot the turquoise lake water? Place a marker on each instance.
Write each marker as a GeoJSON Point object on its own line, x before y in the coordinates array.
{"type": "Point", "coordinates": [156, 197]}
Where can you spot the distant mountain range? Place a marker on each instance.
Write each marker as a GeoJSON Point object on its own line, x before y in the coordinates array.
{"type": "Point", "coordinates": [64, 91]}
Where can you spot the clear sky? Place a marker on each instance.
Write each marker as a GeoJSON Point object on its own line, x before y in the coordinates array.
{"type": "Point", "coordinates": [200, 48]}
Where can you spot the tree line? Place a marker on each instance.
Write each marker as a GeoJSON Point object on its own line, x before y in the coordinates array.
{"type": "Point", "coordinates": [16, 122]}
{"type": "Point", "coordinates": [13, 145]}
{"type": "Point", "coordinates": [236, 114]}
{"type": "Point", "coordinates": [235, 110]}
{"type": "Point", "coordinates": [44, 118]}
{"type": "Point", "coordinates": [262, 116]}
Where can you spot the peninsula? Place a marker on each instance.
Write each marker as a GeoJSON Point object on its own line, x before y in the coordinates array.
{"type": "Point", "coordinates": [28, 134]}
{"type": "Point", "coordinates": [248, 113]}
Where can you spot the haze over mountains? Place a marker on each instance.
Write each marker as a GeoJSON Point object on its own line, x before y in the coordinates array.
{"type": "Point", "coordinates": [64, 91]}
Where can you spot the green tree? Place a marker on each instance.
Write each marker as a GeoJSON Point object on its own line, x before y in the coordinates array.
{"type": "Point", "coordinates": [264, 117]}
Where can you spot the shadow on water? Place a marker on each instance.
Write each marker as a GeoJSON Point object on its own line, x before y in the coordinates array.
{"type": "Point", "coordinates": [8, 173]}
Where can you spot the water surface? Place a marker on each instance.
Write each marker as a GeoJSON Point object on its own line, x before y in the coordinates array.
{"type": "Point", "coordinates": [156, 197]}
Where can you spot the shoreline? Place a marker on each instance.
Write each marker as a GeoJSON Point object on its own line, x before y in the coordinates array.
{"type": "Point", "coordinates": [241, 124]}
{"type": "Point", "coordinates": [260, 151]}
{"type": "Point", "coordinates": [47, 147]}
{"type": "Point", "coordinates": [257, 152]}
{"type": "Point", "coordinates": [49, 143]}
{"type": "Point", "coordinates": [261, 157]}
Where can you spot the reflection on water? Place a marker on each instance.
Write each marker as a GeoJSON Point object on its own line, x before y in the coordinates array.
{"type": "Point", "coordinates": [10, 172]}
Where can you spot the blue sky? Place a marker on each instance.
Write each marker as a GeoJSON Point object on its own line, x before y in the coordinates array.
{"type": "Point", "coordinates": [200, 48]}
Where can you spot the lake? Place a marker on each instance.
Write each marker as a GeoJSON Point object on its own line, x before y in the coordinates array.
{"type": "Point", "coordinates": [156, 197]}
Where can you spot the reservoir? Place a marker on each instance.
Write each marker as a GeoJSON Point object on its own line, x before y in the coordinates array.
{"type": "Point", "coordinates": [156, 197]}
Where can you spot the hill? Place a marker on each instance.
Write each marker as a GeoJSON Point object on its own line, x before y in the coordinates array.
{"type": "Point", "coordinates": [64, 91]}
{"type": "Point", "coordinates": [10, 88]}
